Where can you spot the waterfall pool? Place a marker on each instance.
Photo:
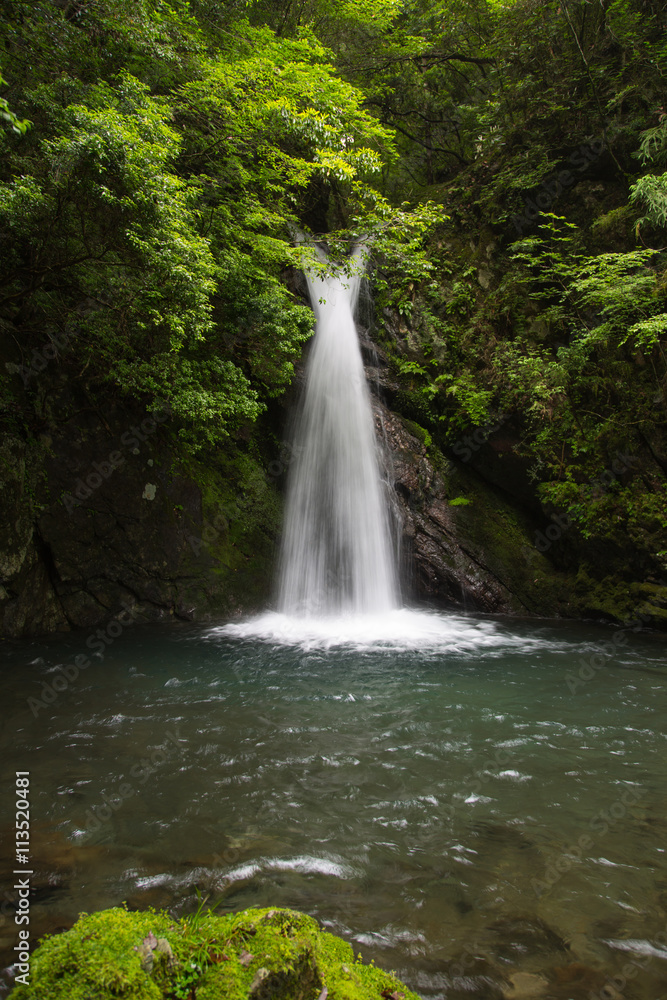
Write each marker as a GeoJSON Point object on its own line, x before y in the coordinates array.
{"type": "Point", "coordinates": [481, 807]}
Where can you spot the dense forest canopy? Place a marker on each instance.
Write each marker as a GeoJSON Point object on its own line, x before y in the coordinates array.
{"type": "Point", "coordinates": [157, 156]}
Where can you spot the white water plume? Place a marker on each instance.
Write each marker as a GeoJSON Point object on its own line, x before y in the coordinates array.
{"type": "Point", "coordinates": [401, 629]}
{"type": "Point", "coordinates": [337, 555]}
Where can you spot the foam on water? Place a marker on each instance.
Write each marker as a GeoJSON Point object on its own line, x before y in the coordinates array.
{"type": "Point", "coordinates": [401, 629]}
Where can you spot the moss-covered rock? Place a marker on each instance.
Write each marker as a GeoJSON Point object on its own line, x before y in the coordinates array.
{"type": "Point", "coordinates": [268, 954]}
{"type": "Point", "coordinates": [98, 958]}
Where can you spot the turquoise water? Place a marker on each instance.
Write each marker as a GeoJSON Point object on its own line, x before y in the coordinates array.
{"type": "Point", "coordinates": [491, 804]}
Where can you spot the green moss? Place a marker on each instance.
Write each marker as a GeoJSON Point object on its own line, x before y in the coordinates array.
{"type": "Point", "coordinates": [500, 539]}
{"type": "Point", "coordinates": [97, 959]}
{"type": "Point", "coordinates": [275, 954]}
{"type": "Point", "coordinates": [419, 432]}
{"type": "Point", "coordinates": [275, 948]}
{"type": "Point", "coordinates": [637, 601]}
{"type": "Point", "coordinates": [616, 225]}
{"type": "Point", "coordinates": [241, 517]}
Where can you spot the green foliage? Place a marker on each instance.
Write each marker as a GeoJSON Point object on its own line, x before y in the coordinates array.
{"type": "Point", "coordinates": [151, 206]}
{"type": "Point", "coordinates": [332, 19]}
{"type": "Point", "coordinates": [573, 394]}
{"type": "Point", "coordinates": [648, 333]}
{"type": "Point", "coordinates": [200, 942]}
{"type": "Point", "coordinates": [650, 191]}
{"type": "Point", "coordinates": [280, 98]}
{"type": "Point", "coordinates": [653, 144]}
{"type": "Point", "coordinates": [583, 398]}
{"type": "Point", "coordinates": [8, 116]}
{"type": "Point", "coordinates": [174, 147]}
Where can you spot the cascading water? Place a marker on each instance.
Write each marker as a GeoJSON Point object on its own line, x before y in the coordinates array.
{"type": "Point", "coordinates": [337, 554]}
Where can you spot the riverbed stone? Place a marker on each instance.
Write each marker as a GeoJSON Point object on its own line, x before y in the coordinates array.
{"type": "Point", "coordinates": [521, 937]}
{"type": "Point", "coordinates": [525, 986]}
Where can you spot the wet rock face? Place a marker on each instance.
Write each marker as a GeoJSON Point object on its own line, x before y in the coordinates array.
{"type": "Point", "coordinates": [442, 560]}
{"type": "Point", "coordinates": [475, 536]}
{"type": "Point", "coordinates": [27, 602]}
{"type": "Point", "coordinates": [112, 521]}
{"type": "Point", "coordinates": [112, 541]}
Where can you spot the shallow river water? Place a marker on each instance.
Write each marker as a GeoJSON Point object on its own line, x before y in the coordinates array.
{"type": "Point", "coordinates": [482, 807]}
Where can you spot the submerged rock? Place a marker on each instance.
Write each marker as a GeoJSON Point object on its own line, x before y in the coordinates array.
{"type": "Point", "coordinates": [520, 937]}
{"type": "Point", "coordinates": [114, 954]}
{"type": "Point", "coordinates": [526, 986]}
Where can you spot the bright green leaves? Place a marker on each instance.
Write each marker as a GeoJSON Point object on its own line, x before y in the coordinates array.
{"type": "Point", "coordinates": [378, 13]}
{"type": "Point", "coordinates": [121, 130]}
{"type": "Point", "coordinates": [330, 18]}
{"type": "Point", "coordinates": [653, 145]}
{"type": "Point", "coordinates": [260, 327]}
{"type": "Point", "coordinates": [650, 193]}
{"type": "Point", "coordinates": [113, 239]}
{"type": "Point", "coordinates": [648, 332]}
{"type": "Point", "coordinates": [211, 397]}
{"type": "Point", "coordinates": [114, 158]}
{"type": "Point", "coordinates": [473, 399]}
{"type": "Point", "coordinates": [616, 288]}
{"type": "Point", "coordinates": [153, 40]}
{"type": "Point", "coordinates": [608, 299]}
{"type": "Point", "coordinates": [592, 381]}
{"type": "Point", "coordinates": [22, 200]}
{"type": "Point", "coordinates": [281, 115]}
{"type": "Point", "coordinates": [157, 28]}
{"type": "Point", "coordinates": [152, 206]}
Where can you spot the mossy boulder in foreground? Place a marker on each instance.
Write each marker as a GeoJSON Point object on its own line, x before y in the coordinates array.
{"type": "Point", "coordinates": [269, 954]}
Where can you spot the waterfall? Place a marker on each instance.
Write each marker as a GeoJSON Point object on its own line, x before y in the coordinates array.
{"type": "Point", "coordinates": [337, 555]}
{"type": "Point", "coordinates": [338, 584]}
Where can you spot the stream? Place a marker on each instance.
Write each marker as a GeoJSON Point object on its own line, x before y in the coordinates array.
{"type": "Point", "coordinates": [481, 805]}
